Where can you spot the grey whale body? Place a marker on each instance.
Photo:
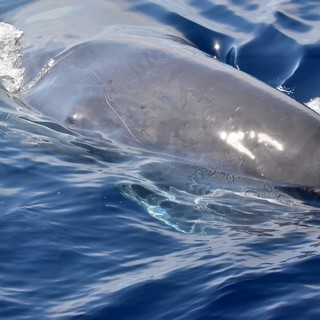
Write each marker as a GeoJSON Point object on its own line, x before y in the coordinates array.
{"type": "Point", "coordinates": [167, 97]}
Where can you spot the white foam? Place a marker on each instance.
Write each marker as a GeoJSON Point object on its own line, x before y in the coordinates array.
{"type": "Point", "coordinates": [11, 71]}
{"type": "Point", "coordinates": [314, 104]}
{"type": "Point", "coordinates": [40, 75]}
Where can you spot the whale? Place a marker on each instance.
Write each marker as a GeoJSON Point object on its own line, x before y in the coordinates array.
{"type": "Point", "coordinates": [165, 97]}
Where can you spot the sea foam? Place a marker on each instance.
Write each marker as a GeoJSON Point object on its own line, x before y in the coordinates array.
{"type": "Point", "coordinates": [11, 70]}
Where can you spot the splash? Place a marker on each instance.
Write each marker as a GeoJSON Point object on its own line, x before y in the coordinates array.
{"type": "Point", "coordinates": [314, 104]}
{"type": "Point", "coordinates": [11, 71]}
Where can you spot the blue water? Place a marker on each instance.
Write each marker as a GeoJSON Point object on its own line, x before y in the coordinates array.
{"type": "Point", "coordinates": [74, 245]}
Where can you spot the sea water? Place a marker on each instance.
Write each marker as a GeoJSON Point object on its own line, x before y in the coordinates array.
{"type": "Point", "coordinates": [84, 234]}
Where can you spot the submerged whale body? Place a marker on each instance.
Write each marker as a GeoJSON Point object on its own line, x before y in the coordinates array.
{"type": "Point", "coordinates": [167, 97]}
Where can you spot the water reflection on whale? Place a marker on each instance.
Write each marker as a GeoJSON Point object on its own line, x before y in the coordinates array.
{"type": "Point", "coordinates": [167, 97]}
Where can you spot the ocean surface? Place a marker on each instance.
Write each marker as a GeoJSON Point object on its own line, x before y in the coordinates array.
{"type": "Point", "coordinates": [86, 233]}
